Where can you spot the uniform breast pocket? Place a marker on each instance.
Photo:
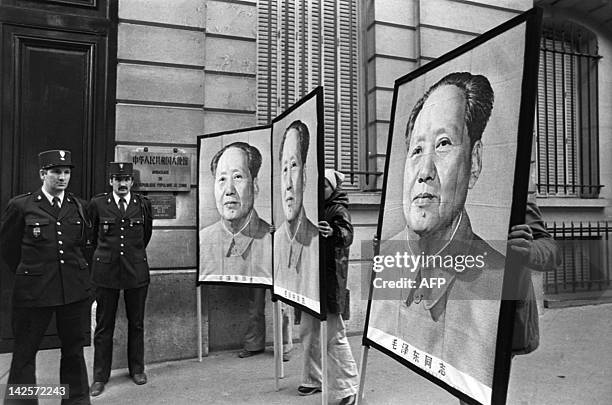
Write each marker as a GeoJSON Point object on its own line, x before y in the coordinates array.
{"type": "Point", "coordinates": [137, 228]}
{"type": "Point", "coordinates": [74, 226]}
{"type": "Point", "coordinates": [107, 226]}
{"type": "Point", "coordinates": [38, 229]}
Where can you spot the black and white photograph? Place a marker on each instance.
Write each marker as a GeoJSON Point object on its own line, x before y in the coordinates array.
{"type": "Point", "coordinates": [305, 201]}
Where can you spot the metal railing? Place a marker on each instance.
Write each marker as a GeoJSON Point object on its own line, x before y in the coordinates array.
{"type": "Point", "coordinates": [586, 255]}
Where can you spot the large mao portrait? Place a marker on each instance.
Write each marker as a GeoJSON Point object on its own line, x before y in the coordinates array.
{"type": "Point", "coordinates": [457, 171]}
{"type": "Point", "coordinates": [296, 146]}
{"type": "Point", "coordinates": [235, 207]}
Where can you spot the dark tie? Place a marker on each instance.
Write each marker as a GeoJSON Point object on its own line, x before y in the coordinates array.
{"type": "Point", "coordinates": [56, 205]}
{"type": "Point", "coordinates": [122, 206]}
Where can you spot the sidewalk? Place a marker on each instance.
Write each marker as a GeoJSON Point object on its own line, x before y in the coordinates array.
{"type": "Point", "coordinates": [572, 366]}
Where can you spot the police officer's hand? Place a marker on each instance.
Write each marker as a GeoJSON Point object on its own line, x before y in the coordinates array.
{"type": "Point", "coordinates": [520, 240]}
{"type": "Point", "coordinates": [325, 229]}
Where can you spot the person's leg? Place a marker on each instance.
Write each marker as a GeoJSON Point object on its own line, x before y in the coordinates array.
{"type": "Point", "coordinates": [287, 328]}
{"type": "Point", "coordinates": [71, 320]}
{"type": "Point", "coordinates": [310, 329]}
{"type": "Point", "coordinates": [135, 299]}
{"type": "Point", "coordinates": [255, 336]}
{"type": "Point", "coordinates": [29, 326]}
{"type": "Point", "coordinates": [106, 310]}
{"type": "Point", "coordinates": [342, 369]}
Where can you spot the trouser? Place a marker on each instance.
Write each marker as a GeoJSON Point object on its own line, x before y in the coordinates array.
{"type": "Point", "coordinates": [255, 336]}
{"type": "Point", "coordinates": [106, 310]}
{"type": "Point", "coordinates": [29, 326]}
{"type": "Point", "coordinates": [343, 377]}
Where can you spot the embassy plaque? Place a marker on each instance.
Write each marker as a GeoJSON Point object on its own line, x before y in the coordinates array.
{"type": "Point", "coordinates": [158, 169]}
{"type": "Point", "coordinates": [163, 205]}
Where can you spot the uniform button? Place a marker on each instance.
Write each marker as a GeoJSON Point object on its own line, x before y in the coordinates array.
{"type": "Point", "coordinates": [61, 252]}
{"type": "Point", "coordinates": [123, 229]}
{"type": "Point", "coordinates": [121, 253]}
{"type": "Point", "coordinates": [60, 242]}
{"type": "Point", "coordinates": [122, 236]}
{"type": "Point", "coordinates": [58, 223]}
{"type": "Point", "coordinates": [121, 245]}
{"type": "Point", "coordinates": [61, 261]}
{"type": "Point", "coordinates": [59, 232]}
{"type": "Point", "coordinates": [25, 272]}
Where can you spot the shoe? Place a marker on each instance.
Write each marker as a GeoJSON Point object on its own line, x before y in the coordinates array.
{"type": "Point", "coordinates": [304, 391]}
{"type": "Point", "coordinates": [244, 353]}
{"type": "Point", "coordinates": [286, 356]}
{"type": "Point", "coordinates": [96, 388]}
{"type": "Point", "coordinates": [350, 400]}
{"type": "Point", "coordinates": [140, 378]}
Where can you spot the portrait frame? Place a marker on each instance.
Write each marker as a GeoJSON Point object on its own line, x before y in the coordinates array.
{"type": "Point", "coordinates": [526, 26]}
{"type": "Point", "coordinates": [308, 109]}
{"type": "Point", "coordinates": [207, 146]}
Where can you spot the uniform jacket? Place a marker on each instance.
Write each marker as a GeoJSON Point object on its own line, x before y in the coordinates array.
{"type": "Point", "coordinates": [242, 257]}
{"type": "Point", "coordinates": [336, 249]}
{"type": "Point", "coordinates": [45, 251]}
{"type": "Point", "coordinates": [120, 260]}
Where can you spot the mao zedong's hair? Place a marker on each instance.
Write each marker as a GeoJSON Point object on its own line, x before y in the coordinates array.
{"type": "Point", "coordinates": [252, 154]}
{"type": "Point", "coordinates": [304, 136]}
{"type": "Point", "coordinates": [478, 102]}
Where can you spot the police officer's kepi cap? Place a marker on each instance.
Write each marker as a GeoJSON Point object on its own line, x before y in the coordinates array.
{"type": "Point", "coordinates": [54, 158]}
{"type": "Point", "coordinates": [120, 169]}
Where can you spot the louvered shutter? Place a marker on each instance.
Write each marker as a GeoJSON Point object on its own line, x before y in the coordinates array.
{"type": "Point", "coordinates": [292, 36]}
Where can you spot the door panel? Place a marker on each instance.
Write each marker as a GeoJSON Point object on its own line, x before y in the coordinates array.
{"type": "Point", "coordinates": [55, 95]}
{"type": "Point", "coordinates": [54, 106]}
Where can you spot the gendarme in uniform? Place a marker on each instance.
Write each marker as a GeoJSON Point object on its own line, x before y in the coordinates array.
{"type": "Point", "coordinates": [122, 227]}
{"type": "Point", "coordinates": [41, 238]}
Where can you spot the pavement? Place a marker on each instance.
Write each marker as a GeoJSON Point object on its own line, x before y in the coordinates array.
{"type": "Point", "coordinates": [573, 365]}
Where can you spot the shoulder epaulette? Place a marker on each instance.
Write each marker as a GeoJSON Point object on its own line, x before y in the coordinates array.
{"type": "Point", "coordinates": [100, 195]}
{"type": "Point", "coordinates": [140, 195]}
{"type": "Point", "coordinates": [22, 195]}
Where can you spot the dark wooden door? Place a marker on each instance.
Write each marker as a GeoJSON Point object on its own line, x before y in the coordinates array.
{"type": "Point", "coordinates": [57, 81]}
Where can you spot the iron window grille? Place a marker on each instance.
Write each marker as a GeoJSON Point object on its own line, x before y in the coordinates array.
{"type": "Point", "coordinates": [567, 131]}
{"type": "Point", "coordinates": [586, 255]}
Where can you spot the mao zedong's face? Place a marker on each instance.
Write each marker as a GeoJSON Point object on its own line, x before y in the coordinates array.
{"type": "Point", "coordinates": [235, 189]}
{"type": "Point", "coordinates": [440, 164]}
{"type": "Point", "coordinates": [292, 176]}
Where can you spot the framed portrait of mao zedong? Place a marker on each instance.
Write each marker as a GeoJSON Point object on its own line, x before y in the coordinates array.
{"type": "Point", "coordinates": [297, 153]}
{"type": "Point", "coordinates": [455, 181]}
{"type": "Point", "coordinates": [235, 207]}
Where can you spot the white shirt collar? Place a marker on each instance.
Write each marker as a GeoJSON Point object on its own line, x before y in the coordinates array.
{"type": "Point", "coordinates": [127, 198]}
{"type": "Point", "coordinates": [50, 197]}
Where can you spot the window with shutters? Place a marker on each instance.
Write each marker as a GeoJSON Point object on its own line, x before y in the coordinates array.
{"type": "Point", "coordinates": [305, 43]}
{"type": "Point", "coordinates": [567, 116]}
